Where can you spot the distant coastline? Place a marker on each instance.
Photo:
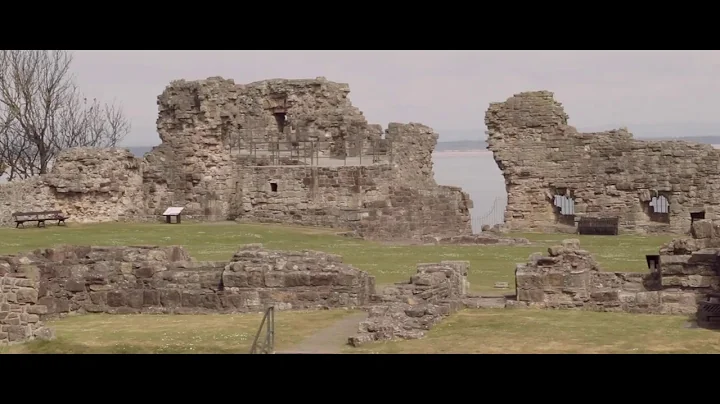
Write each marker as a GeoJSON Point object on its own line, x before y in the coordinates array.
{"type": "Point", "coordinates": [451, 153]}
{"type": "Point", "coordinates": [474, 147]}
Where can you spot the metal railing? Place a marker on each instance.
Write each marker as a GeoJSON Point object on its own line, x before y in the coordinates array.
{"type": "Point", "coordinates": [268, 345]}
{"type": "Point", "coordinates": [313, 153]}
{"type": "Point", "coordinates": [494, 215]}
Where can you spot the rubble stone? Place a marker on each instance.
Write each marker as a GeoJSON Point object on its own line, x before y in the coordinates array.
{"type": "Point", "coordinates": [569, 277]}
{"type": "Point", "coordinates": [408, 310]}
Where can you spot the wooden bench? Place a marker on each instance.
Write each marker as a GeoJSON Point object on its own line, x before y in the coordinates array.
{"type": "Point", "coordinates": [598, 225]}
{"type": "Point", "coordinates": [40, 217]}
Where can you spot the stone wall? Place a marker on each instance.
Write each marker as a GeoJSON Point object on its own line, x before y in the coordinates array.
{"type": "Point", "coordinates": [206, 126]}
{"type": "Point", "coordinates": [203, 124]}
{"type": "Point", "coordinates": [569, 277]}
{"type": "Point", "coordinates": [165, 280]}
{"type": "Point", "coordinates": [20, 311]}
{"type": "Point", "coordinates": [90, 185]}
{"type": "Point", "coordinates": [408, 310]}
{"type": "Point", "coordinates": [606, 174]}
{"type": "Point", "coordinates": [308, 195]}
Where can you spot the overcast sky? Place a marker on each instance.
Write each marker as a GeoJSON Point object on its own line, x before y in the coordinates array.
{"type": "Point", "coordinates": [447, 90]}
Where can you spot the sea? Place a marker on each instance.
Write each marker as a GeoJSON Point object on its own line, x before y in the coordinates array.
{"type": "Point", "coordinates": [477, 173]}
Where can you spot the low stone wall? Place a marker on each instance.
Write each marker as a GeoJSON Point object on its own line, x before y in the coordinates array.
{"type": "Point", "coordinates": [477, 239]}
{"type": "Point", "coordinates": [569, 277]}
{"type": "Point", "coordinates": [20, 311]}
{"type": "Point", "coordinates": [165, 280]}
{"type": "Point", "coordinates": [408, 310]}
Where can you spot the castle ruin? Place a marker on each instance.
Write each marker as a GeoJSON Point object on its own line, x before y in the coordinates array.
{"type": "Point", "coordinates": [554, 174]}
{"type": "Point", "coordinates": [277, 151]}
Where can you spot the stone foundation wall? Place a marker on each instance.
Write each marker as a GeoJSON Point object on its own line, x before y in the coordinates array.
{"type": "Point", "coordinates": [165, 280]}
{"type": "Point", "coordinates": [569, 277]}
{"type": "Point", "coordinates": [20, 311]}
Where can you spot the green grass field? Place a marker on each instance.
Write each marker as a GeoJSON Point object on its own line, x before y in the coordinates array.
{"type": "Point", "coordinates": [149, 333]}
{"type": "Point", "coordinates": [470, 331]}
{"type": "Point", "coordinates": [555, 331]}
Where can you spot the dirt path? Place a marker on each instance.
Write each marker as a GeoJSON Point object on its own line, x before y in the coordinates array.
{"type": "Point", "coordinates": [331, 339]}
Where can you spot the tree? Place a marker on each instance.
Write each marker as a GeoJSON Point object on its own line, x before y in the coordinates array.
{"type": "Point", "coordinates": [42, 112]}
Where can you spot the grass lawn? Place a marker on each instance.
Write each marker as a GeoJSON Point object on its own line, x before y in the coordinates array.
{"type": "Point", "coordinates": [470, 331]}
{"type": "Point", "coordinates": [149, 333]}
{"type": "Point", "coordinates": [555, 331]}
{"type": "Point", "coordinates": [389, 263]}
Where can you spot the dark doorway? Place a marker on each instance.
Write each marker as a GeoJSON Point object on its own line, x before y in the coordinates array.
{"type": "Point", "coordinates": [281, 119]}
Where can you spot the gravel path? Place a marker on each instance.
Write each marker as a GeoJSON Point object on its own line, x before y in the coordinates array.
{"type": "Point", "coordinates": [331, 339]}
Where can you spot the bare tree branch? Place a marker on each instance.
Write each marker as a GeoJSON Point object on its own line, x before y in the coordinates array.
{"type": "Point", "coordinates": [42, 113]}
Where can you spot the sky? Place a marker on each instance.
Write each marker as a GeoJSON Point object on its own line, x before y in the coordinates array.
{"type": "Point", "coordinates": [653, 93]}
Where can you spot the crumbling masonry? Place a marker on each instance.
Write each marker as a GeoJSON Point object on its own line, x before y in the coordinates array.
{"type": "Point", "coordinates": [48, 283]}
{"type": "Point", "coordinates": [281, 151]}
{"type": "Point", "coordinates": [553, 174]}
{"type": "Point", "coordinates": [568, 277]}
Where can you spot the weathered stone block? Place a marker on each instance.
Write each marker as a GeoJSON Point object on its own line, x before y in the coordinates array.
{"type": "Point", "coordinates": [673, 264]}
{"type": "Point", "coordinates": [576, 280]}
{"type": "Point", "coordinates": [528, 280]}
{"type": "Point", "coordinates": [170, 298]}
{"type": "Point", "coordinates": [604, 295]}
{"type": "Point", "coordinates": [530, 295]}
{"type": "Point", "coordinates": [31, 272]}
{"type": "Point", "coordinates": [18, 332]}
{"type": "Point", "coordinates": [699, 281]}
{"type": "Point", "coordinates": [682, 298]}
{"type": "Point", "coordinates": [37, 309]}
{"type": "Point", "coordinates": [275, 279]}
{"type": "Point", "coordinates": [202, 300]}
{"type": "Point", "coordinates": [75, 285]}
{"type": "Point", "coordinates": [648, 298]}
{"type": "Point", "coordinates": [151, 298]}
{"type": "Point", "coordinates": [429, 279]}
{"type": "Point", "coordinates": [98, 298]}
{"type": "Point", "coordinates": [555, 279]}
{"type": "Point", "coordinates": [27, 295]}
{"type": "Point", "coordinates": [135, 298]}
{"type": "Point", "coordinates": [705, 256]}
{"type": "Point", "coordinates": [44, 334]}
{"type": "Point", "coordinates": [116, 298]}
{"type": "Point", "coordinates": [25, 283]}
{"type": "Point", "coordinates": [625, 297]}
